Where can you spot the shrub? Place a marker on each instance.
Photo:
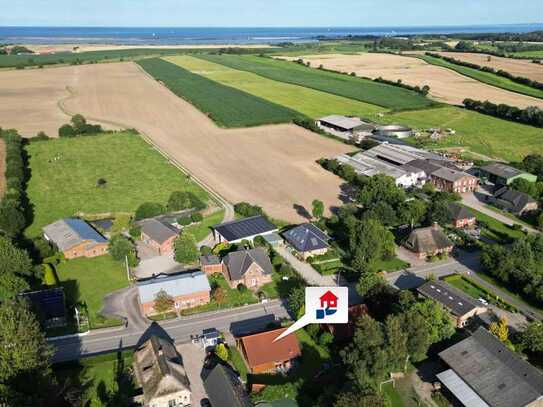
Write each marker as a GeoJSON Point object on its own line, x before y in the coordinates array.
{"type": "Point", "coordinates": [326, 339]}
{"type": "Point", "coordinates": [184, 220]}
{"type": "Point", "coordinates": [66, 130]}
{"type": "Point", "coordinates": [197, 217]}
{"type": "Point", "coordinates": [205, 250]}
{"type": "Point", "coordinates": [185, 249]}
{"type": "Point", "coordinates": [149, 210]}
{"type": "Point", "coordinates": [50, 277]}
{"type": "Point", "coordinates": [135, 231]}
{"type": "Point", "coordinates": [247, 210]}
{"type": "Point", "coordinates": [120, 248]}
{"type": "Point", "coordinates": [242, 288]}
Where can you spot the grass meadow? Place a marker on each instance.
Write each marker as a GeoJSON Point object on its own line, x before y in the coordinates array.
{"type": "Point", "coordinates": [485, 77]}
{"type": "Point", "coordinates": [64, 175]}
{"type": "Point", "coordinates": [308, 101]}
{"type": "Point", "coordinates": [227, 106]}
{"type": "Point", "coordinates": [475, 132]}
{"type": "Point", "coordinates": [364, 90]}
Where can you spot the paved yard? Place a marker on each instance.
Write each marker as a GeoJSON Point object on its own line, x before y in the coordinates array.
{"type": "Point", "coordinates": [406, 255]}
{"type": "Point", "coordinates": [193, 360]}
{"type": "Point", "coordinates": [156, 265]}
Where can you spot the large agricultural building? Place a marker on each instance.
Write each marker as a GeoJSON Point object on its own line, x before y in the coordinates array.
{"type": "Point", "coordinates": [503, 174]}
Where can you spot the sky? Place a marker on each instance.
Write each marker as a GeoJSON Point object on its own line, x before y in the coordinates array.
{"type": "Point", "coordinates": [268, 13]}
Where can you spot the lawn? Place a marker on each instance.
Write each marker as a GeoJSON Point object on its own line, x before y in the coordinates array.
{"type": "Point", "coordinates": [496, 230]}
{"type": "Point", "coordinates": [64, 174]}
{"type": "Point", "coordinates": [227, 106]}
{"type": "Point", "coordinates": [485, 77]}
{"type": "Point", "coordinates": [237, 362]}
{"type": "Point", "coordinates": [99, 377]}
{"type": "Point", "coordinates": [89, 281]}
{"type": "Point", "coordinates": [476, 291]}
{"type": "Point", "coordinates": [202, 229]}
{"type": "Point", "coordinates": [390, 265]}
{"type": "Point", "coordinates": [364, 90]}
{"type": "Point", "coordinates": [310, 102]}
{"type": "Point", "coordinates": [393, 396]}
{"type": "Point", "coordinates": [476, 132]}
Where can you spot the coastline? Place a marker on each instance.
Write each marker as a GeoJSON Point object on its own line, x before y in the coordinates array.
{"type": "Point", "coordinates": [54, 48]}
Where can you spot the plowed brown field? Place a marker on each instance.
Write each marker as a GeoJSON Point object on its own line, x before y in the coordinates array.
{"type": "Point", "coordinates": [445, 85]}
{"type": "Point", "coordinates": [272, 166]}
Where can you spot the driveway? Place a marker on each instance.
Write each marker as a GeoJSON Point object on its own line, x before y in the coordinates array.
{"type": "Point", "coordinates": [475, 200]}
{"type": "Point", "coordinates": [157, 265]}
{"type": "Point", "coordinates": [124, 304]}
{"type": "Point", "coordinates": [305, 270]}
{"type": "Point", "coordinates": [193, 360]}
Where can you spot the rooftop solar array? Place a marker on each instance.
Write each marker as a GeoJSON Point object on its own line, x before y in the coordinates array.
{"type": "Point", "coordinates": [50, 303]}
{"type": "Point", "coordinates": [245, 228]}
{"type": "Point", "coordinates": [307, 237]}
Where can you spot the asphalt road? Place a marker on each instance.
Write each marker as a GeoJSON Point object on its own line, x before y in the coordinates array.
{"type": "Point", "coordinates": [237, 320]}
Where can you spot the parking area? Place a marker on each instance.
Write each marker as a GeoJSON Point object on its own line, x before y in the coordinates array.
{"type": "Point", "coordinates": [193, 360]}
{"type": "Point", "coordinates": [152, 266]}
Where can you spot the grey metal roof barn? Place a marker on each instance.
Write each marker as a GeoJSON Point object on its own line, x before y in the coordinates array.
{"type": "Point", "coordinates": [159, 369]}
{"type": "Point", "coordinates": [174, 285]}
{"type": "Point", "coordinates": [515, 201]}
{"type": "Point", "coordinates": [501, 170]}
{"type": "Point", "coordinates": [455, 301]}
{"type": "Point", "coordinates": [307, 237]}
{"type": "Point", "coordinates": [247, 228]}
{"type": "Point", "coordinates": [239, 262]}
{"type": "Point", "coordinates": [224, 388]}
{"type": "Point", "coordinates": [498, 376]}
{"type": "Point", "coordinates": [345, 123]}
{"type": "Point", "coordinates": [70, 232]}
{"type": "Point", "coordinates": [157, 231]}
{"type": "Point", "coordinates": [428, 240]}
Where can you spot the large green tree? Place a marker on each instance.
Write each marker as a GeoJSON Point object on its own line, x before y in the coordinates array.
{"type": "Point", "coordinates": [185, 248]}
{"type": "Point", "coordinates": [531, 338]}
{"type": "Point", "coordinates": [24, 355]}
{"type": "Point", "coordinates": [121, 248]}
{"type": "Point", "coordinates": [369, 241]}
{"type": "Point", "coordinates": [15, 266]}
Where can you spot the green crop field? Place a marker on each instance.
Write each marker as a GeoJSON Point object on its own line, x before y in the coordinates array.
{"type": "Point", "coordinates": [364, 90]}
{"type": "Point", "coordinates": [227, 106]}
{"type": "Point", "coordinates": [476, 132]}
{"type": "Point", "coordinates": [310, 102]}
{"type": "Point", "coordinates": [64, 174]}
{"type": "Point", "coordinates": [529, 54]}
{"type": "Point", "coordinates": [485, 77]}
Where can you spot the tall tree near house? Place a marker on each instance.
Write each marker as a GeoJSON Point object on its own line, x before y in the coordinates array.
{"type": "Point", "coordinates": [25, 374]}
{"type": "Point", "coordinates": [317, 209]}
{"type": "Point", "coordinates": [185, 248]}
{"type": "Point", "coordinates": [369, 241]}
{"type": "Point", "coordinates": [531, 338]}
{"type": "Point", "coordinates": [163, 302]}
{"type": "Point", "coordinates": [15, 266]}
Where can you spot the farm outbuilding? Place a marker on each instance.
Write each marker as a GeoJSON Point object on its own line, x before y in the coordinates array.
{"type": "Point", "coordinates": [503, 174]}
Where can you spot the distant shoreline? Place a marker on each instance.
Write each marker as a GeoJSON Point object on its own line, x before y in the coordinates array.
{"type": "Point", "coordinates": [68, 47]}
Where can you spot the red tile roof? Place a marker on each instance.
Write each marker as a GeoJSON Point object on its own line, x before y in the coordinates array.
{"type": "Point", "coordinates": [260, 349]}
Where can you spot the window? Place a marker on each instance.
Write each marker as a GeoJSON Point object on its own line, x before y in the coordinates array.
{"type": "Point", "coordinates": [172, 403]}
{"type": "Point", "coordinates": [253, 282]}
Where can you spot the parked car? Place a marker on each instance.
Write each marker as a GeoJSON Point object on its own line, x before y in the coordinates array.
{"type": "Point", "coordinates": [482, 301]}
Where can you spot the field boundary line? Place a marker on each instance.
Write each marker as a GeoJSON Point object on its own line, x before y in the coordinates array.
{"type": "Point", "coordinates": [228, 207]}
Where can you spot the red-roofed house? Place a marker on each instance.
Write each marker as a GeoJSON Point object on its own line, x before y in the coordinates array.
{"type": "Point", "coordinates": [265, 356]}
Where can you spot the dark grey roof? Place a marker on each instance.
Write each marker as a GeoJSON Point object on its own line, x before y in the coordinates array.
{"type": "Point", "coordinates": [455, 301]}
{"type": "Point", "coordinates": [209, 260]}
{"type": "Point", "coordinates": [224, 388]}
{"type": "Point", "coordinates": [239, 262]}
{"type": "Point", "coordinates": [460, 211]}
{"type": "Point", "coordinates": [428, 239]}
{"type": "Point", "coordinates": [501, 170]}
{"type": "Point", "coordinates": [307, 237]}
{"type": "Point", "coordinates": [450, 174]}
{"type": "Point", "coordinates": [159, 369]}
{"type": "Point", "coordinates": [516, 199]}
{"type": "Point", "coordinates": [157, 230]}
{"type": "Point", "coordinates": [346, 123]}
{"type": "Point", "coordinates": [424, 165]}
{"type": "Point", "coordinates": [245, 228]}
{"type": "Point", "coordinates": [70, 232]}
{"type": "Point", "coordinates": [499, 376]}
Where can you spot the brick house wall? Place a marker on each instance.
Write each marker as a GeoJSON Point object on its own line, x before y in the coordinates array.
{"type": "Point", "coordinates": [86, 249]}
{"type": "Point", "coordinates": [164, 248]}
{"type": "Point", "coordinates": [183, 302]}
{"type": "Point", "coordinates": [252, 279]}
{"type": "Point", "coordinates": [423, 255]}
{"type": "Point", "coordinates": [464, 184]}
{"type": "Point", "coordinates": [212, 268]}
{"type": "Point", "coordinates": [461, 320]}
{"type": "Point", "coordinates": [465, 223]}
{"type": "Point", "coordinates": [306, 255]}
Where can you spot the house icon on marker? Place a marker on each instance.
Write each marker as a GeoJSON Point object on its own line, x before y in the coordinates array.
{"type": "Point", "coordinates": [328, 300]}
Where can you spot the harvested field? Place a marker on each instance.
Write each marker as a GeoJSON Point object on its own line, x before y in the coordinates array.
{"type": "Point", "coordinates": [29, 100]}
{"type": "Point", "coordinates": [272, 166]}
{"type": "Point", "coordinates": [2, 167]}
{"type": "Point", "coordinates": [310, 102]}
{"type": "Point", "coordinates": [445, 85]}
{"type": "Point", "coordinates": [517, 67]}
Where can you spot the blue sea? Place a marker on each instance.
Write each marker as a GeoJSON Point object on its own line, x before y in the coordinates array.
{"type": "Point", "coordinates": [202, 35]}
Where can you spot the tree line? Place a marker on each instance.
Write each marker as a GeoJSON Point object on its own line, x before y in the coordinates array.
{"type": "Point", "coordinates": [500, 72]}
{"type": "Point", "coordinates": [532, 115]}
